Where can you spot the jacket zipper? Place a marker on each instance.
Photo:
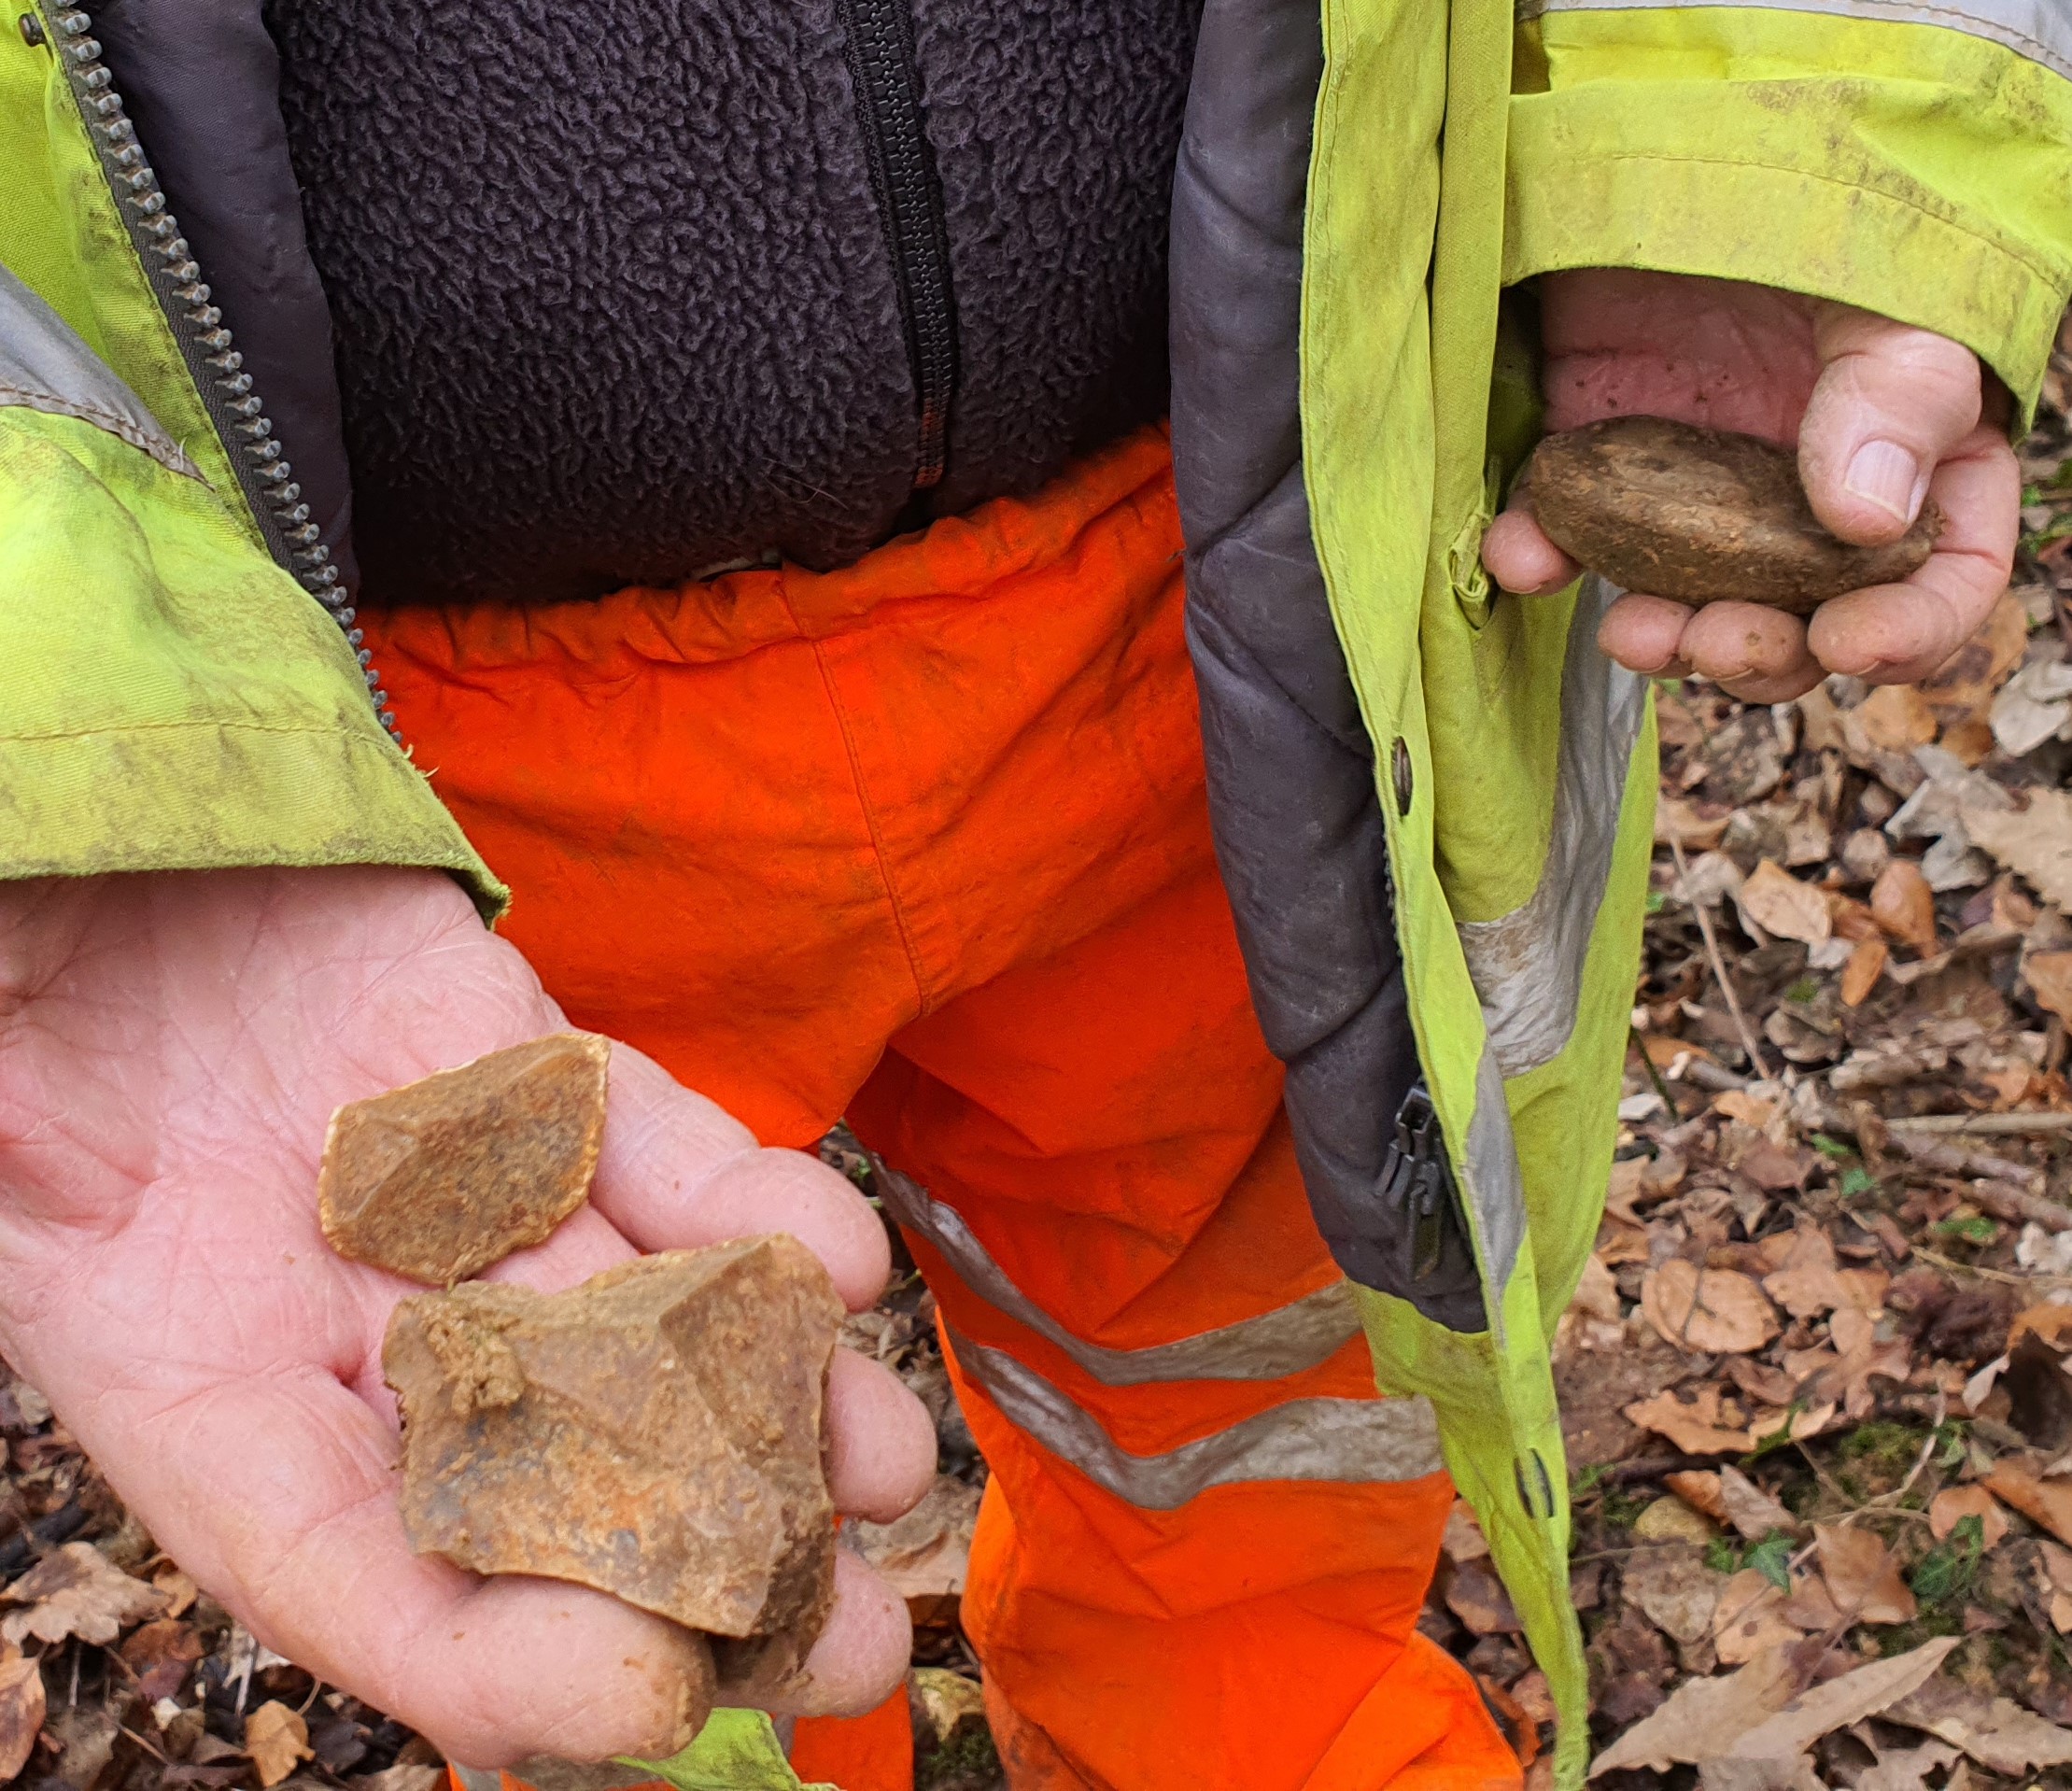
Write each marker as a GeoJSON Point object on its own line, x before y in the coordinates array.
{"type": "Point", "coordinates": [910, 202]}
{"type": "Point", "coordinates": [264, 475]}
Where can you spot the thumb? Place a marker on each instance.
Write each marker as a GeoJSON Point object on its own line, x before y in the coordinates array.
{"type": "Point", "coordinates": [1891, 402]}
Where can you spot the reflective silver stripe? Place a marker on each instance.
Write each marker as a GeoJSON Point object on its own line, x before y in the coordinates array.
{"type": "Point", "coordinates": [1496, 1184]}
{"type": "Point", "coordinates": [1277, 1344]}
{"type": "Point", "coordinates": [1344, 1440]}
{"type": "Point", "coordinates": [44, 366]}
{"type": "Point", "coordinates": [1528, 964]}
{"type": "Point", "coordinates": [2042, 30]}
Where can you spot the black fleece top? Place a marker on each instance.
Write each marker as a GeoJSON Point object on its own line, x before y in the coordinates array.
{"type": "Point", "coordinates": [614, 287]}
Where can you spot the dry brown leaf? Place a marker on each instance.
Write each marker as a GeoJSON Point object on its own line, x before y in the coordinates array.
{"type": "Point", "coordinates": [180, 1591]}
{"type": "Point", "coordinates": [1806, 1284]}
{"type": "Point", "coordinates": [1860, 975]}
{"type": "Point", "coordinates": [1810, 1607]}
{"type": "Point", "coordinates": [1779, 903]}
{"type": "Point", "coordinates": [925, 1554]}
{"type": "Point", "coordinates": [1896, 718]}
{"type": "Point", "coordinates": [1464, 1539]}
{"type": "Point", "coordinates": [1751, 1511]}
{"type": "Point", "coordinates": [21, 1712]}
{"type": "Point", "coordinates": [1698, 1490]}
{"type": "Point", "coordinates": [1750, 1619]}
{"type": "Point", "coordinates": [1999, 1734]}
{"type": "Point", "coordinates": [1907, 1769]}
{"type": "Point", "coordinates": [1716, 1311]}
{"type": "Point", "coordinates": [1964, 684]}
{"type": "Point", "coordinates": [2048, 975]}
{"type": "Point", "coordinates": [277, 1740]}
{"type": "Point", "coordinates": [1475, 1595]}
{"type": "Point", "coordinates": [2044, 1502]}
{"type": "Point", "coordinates": [1758, 1712]}
{"type": "Point", "coordinates": [2056, 1576]}
{"type": "Point", "coordinates": [1902, 903]}
{"type": "Point", "coordinates": [2035, 843]}
{"type": "Point", "coordinates": [77, 1591]}
{"type": "Point", "coordinates": [1953, 1504]}
{"type": "Point", "coordinates": [1862, 1576]}
{"type": "Point", "coordinates": [1706, 1427]}
{"type": "Point", "coordinates": [1672, 1587]}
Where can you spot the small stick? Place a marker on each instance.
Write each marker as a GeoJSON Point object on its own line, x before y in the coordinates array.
{"type": "Point", "coordinates": [1719, 967]}
{"type": "Point", "coordinates": [1986, 1124]}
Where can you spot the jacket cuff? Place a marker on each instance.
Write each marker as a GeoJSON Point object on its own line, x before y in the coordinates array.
{"type": "Point", "coordinates": [176, 702]}
{"type": "Point", "coordinates": [1914, 171]}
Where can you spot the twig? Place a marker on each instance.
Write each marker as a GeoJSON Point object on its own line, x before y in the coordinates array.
{"type": "Point", "coordinates": [139, 1739]}
{"type": "Point", "coordinates": [1984, 1273]}
{"type": "Point", "coordinates": [1719, 967]}
{"type": "Point", "coordinates": [1648, 1063]}
{"type": "Point", "coordinates": [1985, 1124]}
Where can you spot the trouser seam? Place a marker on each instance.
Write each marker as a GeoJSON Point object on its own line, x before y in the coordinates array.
{"type": "Point", "coordinates": [923, 995]}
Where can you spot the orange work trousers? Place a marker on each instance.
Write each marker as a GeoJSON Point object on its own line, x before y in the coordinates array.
{"type": "Point", "coordinates": [924, 842]}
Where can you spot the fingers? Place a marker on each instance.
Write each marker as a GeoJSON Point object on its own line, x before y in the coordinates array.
{"type": "Point", "coordinates": [1759, 654]}
{"type": "Point", "coordinates": [860, 1656]}
{"type": "Point", "coordinates": [1891, 402]}
{"type": "Point", "coordinates": [881, 1442]}
{"type": "Point", "coordinates": [677, 1172]}
{"type": "Point", "coordinates": [1897, 633]}
{"type": "Point", "coordinates": [1522, 560]}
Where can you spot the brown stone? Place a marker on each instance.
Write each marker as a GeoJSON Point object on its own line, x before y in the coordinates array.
{"type": "Point", "coordinates": [440, 1178]}
{"type": "Point", "coordinates": [1702, 515]}
{"type": "Point", "coordinates": [656, 1433]}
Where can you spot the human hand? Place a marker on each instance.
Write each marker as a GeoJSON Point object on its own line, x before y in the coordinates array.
{"type": "Point", "coordinates": [171, 1047]}
{"type": "Point", "coordinates": [1884, 417]}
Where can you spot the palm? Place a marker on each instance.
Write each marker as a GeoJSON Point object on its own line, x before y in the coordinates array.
{"type": "Point", "coordinates": [1882, 416]}
{"type": "Point", "coordinates": [170, 1051]}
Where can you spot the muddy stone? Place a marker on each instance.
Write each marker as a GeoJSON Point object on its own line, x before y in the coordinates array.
{"type": "Point", "coordinates": [443, 1178]}
{"type": "Point", "coordinates": [656, 1433]}
{"type": "Point", "coordinates": [1702, 515]}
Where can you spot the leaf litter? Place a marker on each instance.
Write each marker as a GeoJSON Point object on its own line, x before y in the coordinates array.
{"type": "Point", "coordinates": [1821, 1456]}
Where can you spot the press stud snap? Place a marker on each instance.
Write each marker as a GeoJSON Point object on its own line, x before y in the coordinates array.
{"type": "Point", "coordinates": [32, 30]}
{"type": "Point", "coordinates": [1404, 785]}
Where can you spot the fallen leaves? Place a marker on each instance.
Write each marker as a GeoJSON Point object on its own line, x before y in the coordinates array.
{"type": "Point", "coordinates": [21, 1712]}
{"type": "Point", "coordinates": [1904, 906]}
{"type": "Point", "coordinates": [1779, 903]}
{"type": "Point", "coordinates": [2045, 1500]}
{"type": "Point", "coordinates": [2034, 840]}
{"type": "Point", "coordinates": [277, 1738]}
{"type": "Point", "coordinates": [1713, 1424]}
{"type": "Point", "coordinates": [77, 1591]}
{"type": "Point", "coordinates": [1863, 1579]}
{"type": "Point", "coordinates": [1713, 1310]}
{"type": "Point", "coordinates": [1762, 1712]}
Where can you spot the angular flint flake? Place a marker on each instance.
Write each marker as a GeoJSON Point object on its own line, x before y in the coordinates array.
{"type": "Point", "coordinates": [657, 1433]}
{"type": "Point", "coordinates": [443, 1178]}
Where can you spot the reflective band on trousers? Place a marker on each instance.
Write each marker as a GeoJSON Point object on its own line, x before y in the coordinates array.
{"type": "Point", "coordinates": [2042, 30]}
{"type": "Point", "coordinates": [1346, 1440]}
{"type": "Point", "coordinates": [1271, 1347]}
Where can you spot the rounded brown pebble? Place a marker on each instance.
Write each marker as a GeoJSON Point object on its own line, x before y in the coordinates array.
{"type": "Point", "coordinates": [1702, 515]}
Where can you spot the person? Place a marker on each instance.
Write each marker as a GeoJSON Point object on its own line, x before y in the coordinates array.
{"type": "Point", "coordinates": [729, 443]}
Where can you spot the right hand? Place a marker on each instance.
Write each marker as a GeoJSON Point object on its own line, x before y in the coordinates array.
{"type": "Point", "coordinates": [171, 1047]}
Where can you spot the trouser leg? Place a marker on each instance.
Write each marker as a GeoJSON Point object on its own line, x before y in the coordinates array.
{"type": "Point", "coordinates": [1206, 1542]}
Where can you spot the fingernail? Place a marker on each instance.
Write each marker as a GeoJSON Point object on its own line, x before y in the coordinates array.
{"type": "Point", "coordinates": [1888, 476]}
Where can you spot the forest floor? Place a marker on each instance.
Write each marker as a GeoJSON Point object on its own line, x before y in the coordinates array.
{"type": "Point", "coordinates": [1817, 1382]}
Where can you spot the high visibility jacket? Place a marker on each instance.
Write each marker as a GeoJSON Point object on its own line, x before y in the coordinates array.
{"type": "Point", "coordinates": [1433, 803]}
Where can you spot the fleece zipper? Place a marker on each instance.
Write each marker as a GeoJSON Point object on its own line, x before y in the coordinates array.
{"type": "Point", "coordinates": [909, 201]}
{"type": "Point", "coordinates": [264, 475]}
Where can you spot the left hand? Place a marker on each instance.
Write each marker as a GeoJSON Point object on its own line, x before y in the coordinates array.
{"type": "Point", "coordinates": [1884, 417]}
